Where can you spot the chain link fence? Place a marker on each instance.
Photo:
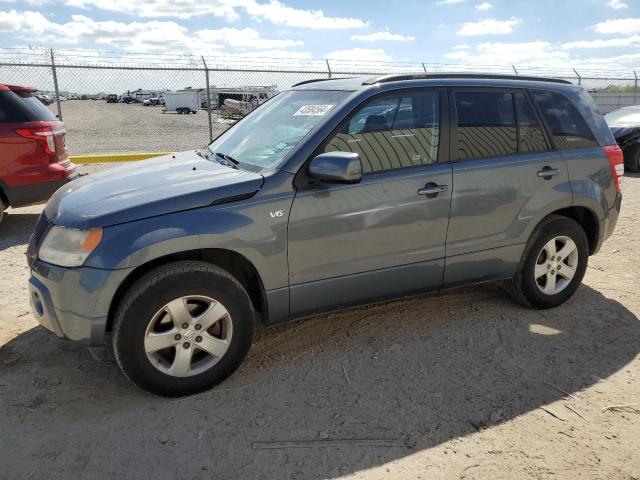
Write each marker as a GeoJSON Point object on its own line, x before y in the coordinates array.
{"type": "Point", "coordinates": [119, 103]}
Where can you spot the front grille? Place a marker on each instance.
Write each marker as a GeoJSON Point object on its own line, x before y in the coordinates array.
{"type": "Point", "coordinates": [42, 227]}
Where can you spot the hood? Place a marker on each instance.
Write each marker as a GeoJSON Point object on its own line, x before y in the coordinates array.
{"type": "Point", "coordinates": [148, 188]}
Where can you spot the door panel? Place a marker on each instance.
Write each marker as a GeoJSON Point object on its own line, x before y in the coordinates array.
{"type": "Point", "coordinates": [380, 223]}
{"type": "Point", "coordinates": [495, 200]}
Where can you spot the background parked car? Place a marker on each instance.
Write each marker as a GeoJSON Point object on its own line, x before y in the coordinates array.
{"type": "Point", "coordinates": [152, 101]}
{"type": "Point", "coordinates": [44, 98]}
{"type": "Point", "coordinates": [112, 98]}
{"type": "Point", "coordinates": [34, 161]}
{"type": "Point", "coordinates": [625, 125]}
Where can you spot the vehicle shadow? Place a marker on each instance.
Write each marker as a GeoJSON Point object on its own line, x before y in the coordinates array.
{"type": "Point", "coordinates": [16, 228]}
{"type": "Point", "coordinates": [356, 389]}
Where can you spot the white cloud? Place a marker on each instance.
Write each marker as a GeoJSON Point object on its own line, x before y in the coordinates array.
{"type": "Point", "coordinates": [360, 54]}
{"type": "Point", "coordinates": [273, 11]}
{"type": "Point", "coordinates": [623, 26]}
{"type": "Point", "coordinates": [537, 54]}
{"type": "Point", "coordinates": [483, 6]}
{"type": "Point", "coordinates": [632, 41]}
{"type": "Point", "coordinates": [134, 36]}
{"type": "Point", "coordinates": [164, 8]}
{"type": "Point", "coordinates": [617, 4]}
{"type": "Point", "coordinates": [280, 14]}
{"type": "Point", "coordinates": [243, 38]}
{"type": "Point", "coordinates": [383, 36]}
{"type": "Point", "coordinates": [449, 2]}
{"type": "Point", "coordinates": [489, 26]}
{"type": "Point", "coordinates": [501, 53]}
{"type": "Point", "coordinates": [462, 46]}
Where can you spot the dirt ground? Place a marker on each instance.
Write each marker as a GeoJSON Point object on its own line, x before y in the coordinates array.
{"type": "Point", "coordinates": [95, 126]}
{"type": "Point", "coordinates": [459, 384]}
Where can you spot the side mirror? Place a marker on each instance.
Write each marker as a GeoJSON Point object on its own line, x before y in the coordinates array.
{"type": "Point", "coordinates": [336, 167]}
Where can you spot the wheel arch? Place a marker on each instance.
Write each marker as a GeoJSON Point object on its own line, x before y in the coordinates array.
{"type": "Point", "coordinates": [587, 219]}
{"type": "Point", "coordinates": [233, 262]}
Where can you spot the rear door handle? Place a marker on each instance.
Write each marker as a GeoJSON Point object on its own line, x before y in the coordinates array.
{"type": "Point", "coordinates": [548, 172]}
{"type": "Point", "coordinates": [431, 190]}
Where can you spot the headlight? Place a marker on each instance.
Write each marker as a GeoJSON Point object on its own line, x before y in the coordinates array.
{"type": "Point", "coordinates": [69, 247]}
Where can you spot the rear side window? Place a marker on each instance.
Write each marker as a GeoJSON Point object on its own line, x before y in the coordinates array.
{"type": "Point", "coordinates": [530, 135]}
{"type": "Point", "coordinates": [486, 125]}
{"type": "Point", "coordinates": [11, 109]}
{"type": "Point", "coordinates": [393, 132]}
{"type": "Point", "coordinates": [38, 111]}
{"type": "Point", "coordinates": [22, 106]}
{"type": "Point", "coordinates": [568, 128]}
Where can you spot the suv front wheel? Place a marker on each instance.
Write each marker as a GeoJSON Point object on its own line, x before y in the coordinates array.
{"type": "Point", "coordinates": [553, 264]}
{"type": "Point", "coordinates": [183, 328]}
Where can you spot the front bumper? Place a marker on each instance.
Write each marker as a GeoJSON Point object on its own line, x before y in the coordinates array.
{"type": "Point", "coordinates": [73, 303]}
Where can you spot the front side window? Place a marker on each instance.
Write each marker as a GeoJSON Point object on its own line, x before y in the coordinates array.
{"type": "Point", "coordinates": [392, 132]}
{"type": "Point", "coordinates": [568, 128]}
{"type": "Point", "coordinates": [486, 125]}
{"type": "Point", "coordinates": [265, 136]}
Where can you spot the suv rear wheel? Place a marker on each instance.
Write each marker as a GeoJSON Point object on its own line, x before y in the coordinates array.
{"type": "Point", "coordinates": [553, 264]}
{"type": "Point", "coordinates": [183, 328]}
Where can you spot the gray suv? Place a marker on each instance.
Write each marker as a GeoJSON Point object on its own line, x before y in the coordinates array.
{"type": "Point", "coordinates": [332, 194]}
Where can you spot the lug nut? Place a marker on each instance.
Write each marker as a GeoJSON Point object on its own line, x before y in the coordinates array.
{"type": "Point", "coordinates": [553, 272]}
{"type": "Point", "coordinates": [186, 344]}
{"type": "Point", "coordinates": [198, 338]}
{"type": "Point", "coordinates": [198, 326]}
{"type": "Point", "coordinates": [549, 267]}
{"type": "Point", "coordinates": [185, 325]}
{"type": "Point", "coordinates": [177, 336]}
{"type": "Point", "coordinates": [559, 267]}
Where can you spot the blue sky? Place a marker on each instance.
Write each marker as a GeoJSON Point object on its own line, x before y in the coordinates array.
{"type": "Point", "coordinates": [584, 33]}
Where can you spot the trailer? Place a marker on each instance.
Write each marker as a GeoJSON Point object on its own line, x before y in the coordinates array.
{"type": "Point", "coordinates": [182, 102]}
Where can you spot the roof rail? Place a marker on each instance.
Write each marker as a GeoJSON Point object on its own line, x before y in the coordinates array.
{"type": "Point", "coordinates": [426, 76]}
{"type": "Point", "coordinates": [314, 80]}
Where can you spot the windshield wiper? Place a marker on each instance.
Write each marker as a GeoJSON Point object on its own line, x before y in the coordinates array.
{"type": "Point", "coordinates": [228, 157]}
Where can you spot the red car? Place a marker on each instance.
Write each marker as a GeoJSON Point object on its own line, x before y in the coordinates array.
{"type": "Point", "coordinates": [33, 159]}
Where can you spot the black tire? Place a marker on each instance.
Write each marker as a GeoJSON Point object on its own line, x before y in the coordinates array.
{"type": "Point", "coordinates": [154, 290]}
{"type": "Point", "coordinates": [523, 288]}
{"type": "Point", "coordinates": [632, 158]}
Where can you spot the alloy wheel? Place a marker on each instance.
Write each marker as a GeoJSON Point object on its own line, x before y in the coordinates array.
{"type": "Point", "coordinates": [188, 336]}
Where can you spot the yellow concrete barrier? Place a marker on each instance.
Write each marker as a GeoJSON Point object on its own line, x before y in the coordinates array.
{"type": "Point", "coordinates": [115, 157]}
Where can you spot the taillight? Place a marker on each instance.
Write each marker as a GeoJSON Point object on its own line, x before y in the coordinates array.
{"type": "Point", "coordinates": [616, 162]}
{"type": "Point", "coordinates": [42, 135]}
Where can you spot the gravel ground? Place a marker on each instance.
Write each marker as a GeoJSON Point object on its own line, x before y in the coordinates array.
{"type": "Point", "coordinates": [459, 384]}
{"type": "Point", "coordinates": [95, 126]}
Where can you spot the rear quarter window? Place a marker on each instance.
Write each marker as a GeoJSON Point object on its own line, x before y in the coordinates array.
{"type": "Point", "coordinates": [11, 109]}
{"type": "Point", "coordinates": [567, 127]}
{"type": "Point", "coordinates": [22, 106]}
{"type": "Point", "coordinates": [38, 111]}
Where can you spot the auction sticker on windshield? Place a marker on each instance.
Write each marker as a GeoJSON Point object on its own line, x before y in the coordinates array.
{"type": "Point", "coordinates": [315, 110]}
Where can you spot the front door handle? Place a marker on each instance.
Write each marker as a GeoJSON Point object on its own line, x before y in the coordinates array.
{"type": "Point", "coordinates": [548, 172]}
{"type": "Point", "coordinates": [431, 190]}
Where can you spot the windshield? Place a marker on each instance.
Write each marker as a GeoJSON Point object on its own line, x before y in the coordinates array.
{"type": "Point", "coordinates": [265, 136]}
{"type": "Point", "coordinates": [624, 116]}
